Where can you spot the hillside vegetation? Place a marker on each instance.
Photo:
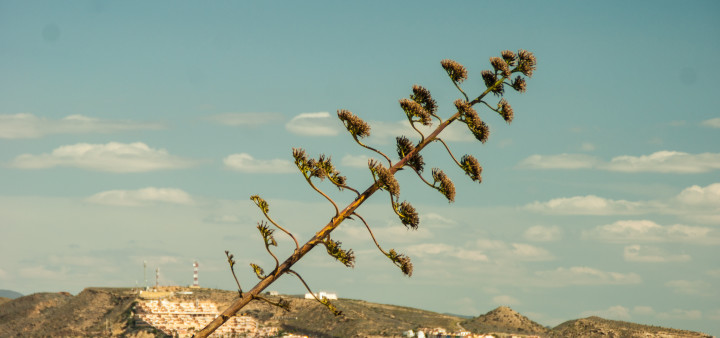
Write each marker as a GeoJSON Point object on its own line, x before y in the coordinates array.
{"type": "Point", "coordinates": [108, 312]}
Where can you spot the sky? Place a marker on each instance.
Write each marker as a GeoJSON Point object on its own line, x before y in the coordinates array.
{"type": "Point", "coordinates": [136, 132]}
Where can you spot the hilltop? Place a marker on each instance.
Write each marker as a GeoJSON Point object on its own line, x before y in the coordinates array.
{"type": "Point", "coordinates": [108, 312]}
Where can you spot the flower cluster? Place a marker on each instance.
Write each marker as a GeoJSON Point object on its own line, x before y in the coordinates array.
{"type": "Point", "coordinates": [472, 168]}
{"type": "Point", "coordinates": [492, 83]}
{"type": "Point", "coordinates": [402, 261]}
{"type": "Point", "coordinates": [330, 306]}
{"type": "Point", "coordinates": [230, 258]}
{"type": "Point", "coordinates": [384, 178]}
{"type": "Point", "coordinates": [260, 203]}
{"type": "Point", "coordinates": [500, 65]}
{"type": "Point", "coordinates": [259, 272]}
{"type": "Point", "coordinates": [408, 215]}
{"type": "Point", "coordinates": [527, 63]}
{"type": "Point", "coordinates": [479, 129]}
{"type": "Point", "coordinates": [422, 96]}
{"type": "Point", "coordinates": [355, 125]}
{"type": "Point", "coordinates": [267, 234]}
{"type": "Point", "coordinates": [446, 186]}
{"type": "Point", "coordinates": [456, 71]}
{"type": "Point", "coordinates": [404, 147]}
{"type": "Point", "coordinates": [505, 110]}
{"type": "Point", "coordinates": [345, 257]}
{"type": "Point", "coordinates": [415, 110]}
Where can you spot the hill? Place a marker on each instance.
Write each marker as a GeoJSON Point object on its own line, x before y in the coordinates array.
{"type": "Point", "coordinates": [10, 294]}
{"type": "Point", "coordinates": [599, 327]}
{"type": "Point", "coordinates": [504, 320]}
{"type": "Point", "coordinates": [108, 312]}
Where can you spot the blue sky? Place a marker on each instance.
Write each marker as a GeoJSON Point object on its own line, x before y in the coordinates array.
{"type": "Point", "coordinates": [135, 131]}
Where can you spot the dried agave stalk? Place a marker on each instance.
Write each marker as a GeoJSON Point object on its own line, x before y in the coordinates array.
{"type": "Point", "coordinates": [420, 108]}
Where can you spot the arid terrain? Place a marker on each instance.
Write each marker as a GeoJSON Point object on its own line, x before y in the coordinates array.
{"type": "Point", "coordinates": [109, 312]}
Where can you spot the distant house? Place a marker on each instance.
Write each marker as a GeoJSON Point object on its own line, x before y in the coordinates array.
{"type": "Point", "coordinates": [321, 295]}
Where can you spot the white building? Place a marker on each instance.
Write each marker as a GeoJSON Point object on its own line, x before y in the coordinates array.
{"type": "Point", "coordinates": [321, 295]}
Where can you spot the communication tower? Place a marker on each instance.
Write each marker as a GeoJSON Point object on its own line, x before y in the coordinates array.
{"type": "Point", "coordinates": [195, 274]}
{"type": "Point", "coordinates": [157, 277]}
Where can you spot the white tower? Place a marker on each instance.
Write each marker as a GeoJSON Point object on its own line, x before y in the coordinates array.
{"type": "Point", "coordinates": [195, 274]}
{"type": "Point", "coordinates": [157, 277]}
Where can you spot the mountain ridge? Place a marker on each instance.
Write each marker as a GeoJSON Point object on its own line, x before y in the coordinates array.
{"type": "Point", "coordinates": [108, 312]}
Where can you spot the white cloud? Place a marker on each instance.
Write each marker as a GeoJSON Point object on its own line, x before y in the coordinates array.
{"type": "Point", "coordinates": [527, 252]}
{"type": "Point", "coordinates": [539, 233]}
{"type": "Point", "coordinates": [440, 250]}
{"type": "Point", "coordinates": [141, 197]}
{"type": "Point", "coordinates": [666, 162]}
{"type": "Point", "coordinates": [713, 123]}
{"type": "Point", "coordinates": [659, 162]}
{"type": "Point", "coordinates": [649, 254]}
{"type": "Point", "coordinates": [586, 205]}
{"type": "Point", "coordinates": [245, 119]}
{"type": "Point", "coordinates": [111, 157]}
{"type": "Point", "coordinates": [505, 300]}
{"type": "Point", "coordinates": [580, 275]}
{"type": "Point", "coordinates": [681, 314]}
{"type": "Point", "coordinates": [643, 310]}
{"type": "Point", "coordinates": [562, 161]}
{"type": "Point", "coordinates": [586, 146]}
{"type": "Point", "coordinates": [357, 161]}
{"type": "Point", "coordinates": [313, 124]}
{"type": "Point", "coordinates": [614, 312]}
{"type": "Point", "coordinates": [649, 231]}
{"type": "Point", "coordinates": [244, 162]}
{"type": "Point", "coordinates": [701, 196]}
{"type": "Point", "coordinates": [19, 126]}
{"type": "Point", "coordinates": [698, 287]}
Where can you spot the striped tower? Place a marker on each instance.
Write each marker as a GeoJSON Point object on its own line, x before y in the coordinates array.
{"type": "Point", "coordinates": [157, 277]}
{"type": "Point", "coordinates": [195, 274]}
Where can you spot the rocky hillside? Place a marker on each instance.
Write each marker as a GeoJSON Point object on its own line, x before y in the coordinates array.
{"type": "Point", "coordinates": [108, 312]}
{"type": "Point", "coordinates": [504, 320]}
{"type": "Point", "coordinates": [599, 327]}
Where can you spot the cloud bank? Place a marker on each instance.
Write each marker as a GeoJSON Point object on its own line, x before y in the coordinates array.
{"type": "Point", "coordinates": [111, 157]}
{"type": "Point", "coordinates": [674, 162]}
{"type": "Point", "coordinates": [244, 162]}
{"type": "Point", "coordinates": [141, 197]}
{"type": "Point", "coordinates": [23, 126]}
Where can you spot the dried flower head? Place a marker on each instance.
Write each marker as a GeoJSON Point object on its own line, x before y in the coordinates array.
{"type": "Point", "coordinates": [259, 272]}
{"type": "Point", "coordinates": [464, 108]}
{"type": "Point", "coordinates": [260, 203]}
{"type": "Point", "coordinates": [327, 169]}
{"type": "Point", "coordinates": [330, 306]}
{"type": "Point", "coordinates": [492, 83]}
{"type": "Point", "coordinates": [343, 256]}
{"type": "Point", "coordinates": [404, 147]}
{"type": "Point", "coordinates": [472, 168]}
{"type": "Point", "coordinates": [384, 178]}
{"type": "Point", "coordinates": [519, 84]}
{"type": "Point", "coordinates": [456, 71]}
{"type": "Point", "coordinates": [422, 97]}
{"type": "Point", "coordinates": [506, 110]}
{"type": "Point", "coordinates": [408, 215]}
{"type": "Point", "coordinates": [477, 127]}
{"type": "Point", "coordinates": [509, 57]}
{"type": "Point", "coordinates": [230, 257]}
{"type": "Point", "coordinates": [414, 109]}
{"type": "Point", "coordinates": [402, 261]}
{"type": "Point", "coordinates": [355, 125]}
{"type": "Point", "coordinates": [446, 186]}
{"type": "Point", "coordinates": [500, 65]}
{"type": "Point", "coordinates": [527, 63]}
{"type": "Point", "coordinates": [267, 234]}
